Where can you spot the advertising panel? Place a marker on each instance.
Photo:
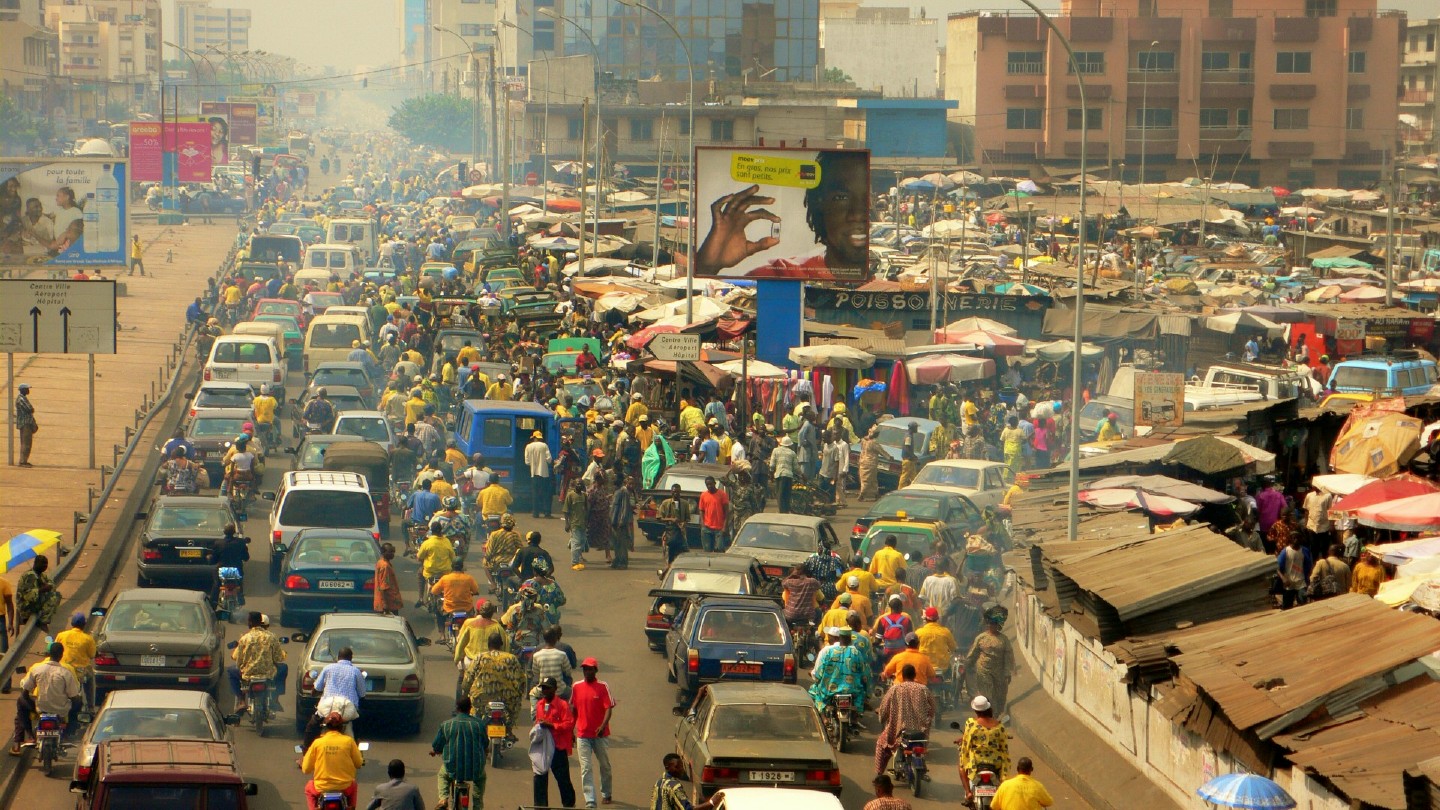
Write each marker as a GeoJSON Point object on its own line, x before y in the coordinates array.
{"type": "Point", "coordinates": [193, 144]}
{"type": "Point", "coordinates": [147, 155]}
{"type": "Point", "coordinates": [65, 211]}
{"type": "Point", "coordinates": [1159, 399]}
{"type": "Point", "coordinates": [782, 213]}
{"type": "Point", "coordinates": [306, 104]}
{"type": "Point", "coordinates": [238, 119]}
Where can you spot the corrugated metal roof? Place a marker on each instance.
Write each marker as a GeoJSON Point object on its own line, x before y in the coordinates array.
{"type": "Point", "coordinates": [1176, 324]}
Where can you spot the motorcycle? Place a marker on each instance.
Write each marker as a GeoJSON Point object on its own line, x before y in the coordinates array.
{"type": "Point", "coordinates": [459, 797]}
{"type": "Point", "coordinates": [839, 719]}
{"type": "Point", "coordinates": [803, 631]}
{"type": "Point", "coordinates": [452, 627]}
{"type": "Point", "coordinates": [238, 493]}
{"type": "Point", "coordinates": [228, 603]}
{"type": "Point", "coordinates": [496, 731]}
{"type": "Point", "coordinates": [983, 783]}
{"type": "Point", "coordinates": [908, 764]}
{"type": "Point", "coordinates": [259, 696]}
{"type": "Point", "coordinates": [336, 800]}
{"type": "Point", "coordinates": [308, 427]}
{"type": "Point", "coordinates": [49, 729]}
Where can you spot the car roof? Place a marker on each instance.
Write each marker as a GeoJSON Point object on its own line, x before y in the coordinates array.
{"type": "Point", "coordinates": [744, 798]}
{"type": "Point", "coordinates": [361, 621]}
{"type": "Point", "coordinates": [225, 413]}
{"type": "Point", "coordinates": [692, 468]}
{"type": "Point", "coordinates": [970, 463]}
{"type": "Point", "coordinates": [694, 560]}
{"type": "Point", "coordinates": [161, 595]}
{"type": "Point", "coordinates": [352, 414]}
{"type": "Point", "coordinates": [492, 406]}
{"type": "Point", "coordinates": [322, 479]}
{"type": "Point", "coordinates": [156, 699]}
{"type": "Point", "coordinates": [785, 694]}
{"type": "Point", "coordinates": [338, 364]}
{"type": "Point", "coordinates": [907, 421]}
{"type": "Point", "coordinates": [343, 534]}
{"type": "Point", "coordinates": [786, 519]}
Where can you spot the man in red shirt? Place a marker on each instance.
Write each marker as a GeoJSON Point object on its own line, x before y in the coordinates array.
{"type": "Point", "coordinates": [554, 714]}
{"type": "Point", "coordinates": [593, 705]}
{"type": "Point", "coordinates": [714, 510]}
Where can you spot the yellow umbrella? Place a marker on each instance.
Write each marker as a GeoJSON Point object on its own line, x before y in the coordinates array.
{"type": "Point", "coordinates": [23, 548]}
{"type": "Point", "coordinates": [1376, 444]}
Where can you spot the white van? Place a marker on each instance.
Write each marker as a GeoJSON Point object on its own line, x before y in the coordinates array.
{"type": "Point", "coordinates": [357, 232]}
{"type": "Point", "coordinates": [252, 359]}
{"type": "Point", "coordinates": [331, 338]}
{"type": "Point", "coordinates": [321, 499]}
{"type": "Point", "coordinates": [339, 260]}
{"type": "Point", "coordinates": [319, 278]}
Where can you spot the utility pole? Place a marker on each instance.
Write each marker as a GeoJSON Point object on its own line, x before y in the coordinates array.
{"type": "Point", "coordinates": [584, 124]}
{"type": "Point", "coordinates": [494, 122]}
{"type": "Point", "coordinates": [1390, 236]}
{"type": "Point", "coordinates": [659, 174]}
{"type": "Point", "coordinates": [475, 109]}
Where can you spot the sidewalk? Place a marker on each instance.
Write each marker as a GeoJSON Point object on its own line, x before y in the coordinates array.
{"type": "Point", "coordinates": [151, 316]}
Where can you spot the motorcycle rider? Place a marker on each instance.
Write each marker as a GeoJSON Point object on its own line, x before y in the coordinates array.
{"type": "Point", "coordinates": [458, 591]}
{"type": "Point", "coordinates": [936, 641]}
{"type": "Point", "coordinates": [49, 687]}
{"type": "Point", "coordinates": [475, 633]}
{"type": "Point", "coordinates": [436, 557]}
{"type": "Point", "coordinates": [240, 467]}
{"type": "Point", "coordinates": [526, 558]}
{"type": "Point", "coordinates": [457, 525]}
{"type": "Point", "coordinates": [320, 411]}
{"type": "Point", "coordinates": [263, 409]}
{"type": "Point", "coordinates": [205, 340]}
{"type": "Point", "coordinates": [233, 551]}
{"type": "Point", "coordinates": [501, 547]}
{"type": "Point", "coordinates": [525, 620]}
{"type": "Point", "coordinates": [907, 708]}
{"type": "Point", "coordinates": [547, 590]}
{"type": "Point", "coordinates": [182, 476]}
{"type": "Point", "coordinates": [80, 656]}
{"type": "Point", "coordinates": [341, 686]}
{"type": "Point", "coordinates": [496, 676]}
{"type": "Point", "coordinates": [258, 657]}
{"type": "Point", "coordinates": [423, 505]}
{"type": "Point", "coordinates": [984, 745]}
{"type": "Point", "coordinates": [840, 668]}
{"type": "Point", "coordinates": [333, 760]}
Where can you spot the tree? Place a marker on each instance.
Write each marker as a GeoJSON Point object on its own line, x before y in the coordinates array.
{"type": "Point", "coordinates": [835, 75]}
{"type": "Point", "coordinates": [438, 120]}
{"type": "Point", "coordinates": [23, 131]}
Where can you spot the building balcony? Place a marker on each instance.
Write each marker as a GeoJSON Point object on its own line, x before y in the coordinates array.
{"type": "Point", "coordinates": [1151, 135]}
{"type": "Point", "coordinates": [1210, 77]}
{"type": "Point", "coordinates": [1153, 77]}
{"type": "Point", "coordinates": [1417, 97]}
{"type": "Point", "coordinates": [1299, 149]}
{"type": "Point", "coordinates": [1024, 91]}
{"type": "Point", "coordinates": [1211, 91]}
{"type": "Point", "coordinates": [1292, 92]}
{"type": "Point", "coordinates": [1096, 148]}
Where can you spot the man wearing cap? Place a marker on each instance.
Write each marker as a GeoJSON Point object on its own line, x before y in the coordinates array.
{"type": "Point", "coordinates": [553, 715]}
{"type": "Point", "coordinates": [593, 706]}
{"type": "Point", "coordinates": [836, 617]}
{"type": "Point", "coordinates": [539, 460]}
{"type": "Point", "coordinates": [784, 465]}
{"type": "Point", "coordinates": [26, 424]}
{"type": "Point", "coordinates": [936, 640]}
{"type": "Point", "coordinates": [1109, 430]}
{"type": "Point", "coordinates": [258, 657]}
{"type": "Point", "coordinates": [839, 669]}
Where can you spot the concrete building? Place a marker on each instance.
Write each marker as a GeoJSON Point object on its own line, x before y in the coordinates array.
{"type": "Point", "coordinates": [1419, 87]}
{"type": "Point", "coordinates": [887, 50]}
{"type": "Point", "coordinates": [108, 53]}
{"type": "Point", "coordinates": [27, 54]}
{"type": "Point", "coordinates": [1284, 92]}
{"type": "Point", "coordinates": [200, 26]}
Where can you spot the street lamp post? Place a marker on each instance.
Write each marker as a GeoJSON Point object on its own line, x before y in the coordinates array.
{"type": "Point", "coordinates": [1204, 210]}
{"type": "Point", "coordinates": [1145, 106]}
{"type": "Point", "coordinates": [599, 128]}
{"type": "Point", "coordinates": [544, 126]}
{"type": "Point", "coordinates": [475, 101]}
{"type": "Point", "coordinates": [690, 110]}
{"type": "Point", "coordinates": [1025, 246]}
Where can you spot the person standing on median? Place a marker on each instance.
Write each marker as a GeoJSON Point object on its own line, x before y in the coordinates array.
{"type": "Point", "coordinates": [26, 424]}
{"type": "Point", "coordinates": [593, 706]}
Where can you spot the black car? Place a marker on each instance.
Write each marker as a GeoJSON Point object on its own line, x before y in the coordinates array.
{"type": "Point", "coordinates": [691, 478]}
{"type": "Point", "coordinates": [955, 510]}
{"type": "Point", "coordinates": [697, 573]}
{"type": "Point", "coordinates": [212, 431]}
{"type": "Point", "coordinates": [180, 539]}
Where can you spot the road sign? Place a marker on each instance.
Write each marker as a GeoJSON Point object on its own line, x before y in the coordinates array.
{"type": "Point", "coordinates": [667, 183]}
{"type": "Point", "coordinates": [673, 346]}
{"type": "Point", "coordinates": [532, 179]}
{"type": "Point", "coordinates": [57, 317]}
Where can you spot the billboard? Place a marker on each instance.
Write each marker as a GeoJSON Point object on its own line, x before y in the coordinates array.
{"type": "Point", "coordinates": [190, 143]}
{"type": "Point", "coordinates": [782, 213]}
{"type": "Point", "coordinates": [64, 211]}
{"type": "Point", "coordinates": [260, 109]}
{"type": "Point", "coordinates": [147, 155]}
{"type": "Point", "coordinates": [238, 117]}
{"type": "Point", "coordinates": [1159, 399]}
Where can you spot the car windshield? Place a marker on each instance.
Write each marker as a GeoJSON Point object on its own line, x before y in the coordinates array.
{"type": "Point", "coordinates": [763, 721]}
{"type": "Point", "coordinates": [894, 435]}
{"type": "Point", "coordinates": [371, 646]}
{"type": "Point", "coordinates": [150, 796]}
{"type": "Point", "coordinates": [366, 427]}
{"type": "Point", "coordinates": [1359, 378]}
{"type": "Point", "coordinates": [706, 581]}
{"type": "Point", "coordinates": [208, 427]}
{"type": "Point", "coordinates": [913, 504]}
{"type": "Point", "coordinates": [694, 484]}
{"type": "Point", "coordinates": [335, 550]}
{"type": "Point", "coordinates": [200, 518]}
{"type": "Point", "coordinates": [223, 398]}
{"type": "Point", "coordinates": [913, 543]}
{"type": "Point", "coordinates": [145, 616]}
{"type": "Point", "coordinates": [740, 626]}
{"type": "Point", "coordinates": [152, 723]}
{"type": "Point", "coordinates": [755, 534]}
{"type": "Point", "coordinates": [340, 376]}
{"type": "Point", "coordinates": [947, 476]}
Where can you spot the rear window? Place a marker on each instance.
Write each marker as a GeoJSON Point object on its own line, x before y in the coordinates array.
{"type": "Point", "coordinates": [738, 626]}
{"type": "Point", "coordinates": [916, 506]}
{"type": "Point", "coordinates": [337, 259]}
{"type": "Point", "coordinates": [913, 544]}
{"type": "Point", "coordinates": [223, 398]}
{"type": "Point", "coordinates": [333, 335]}
{"type": "Point", "coordinates": [495, 433]}
{"type": "Point", "coordinates": [339, 376]}
{"type": "Point", "coordinates": [332, 550]}
{"type": "Point", "coordinates": [706, 581]}
{"type": "Point", "coordinates": [327, 508]}
{"type": "Point", "coordinates": [140, 616]}
{"type": "Point", "coordinates": [199, 518]}
{"type": "Point", "coordinates": [241, 351]}
{"type": "Point", "coordinates": [152, 723]}
{"type": "Point", "coordinates": [775, 536]}
{"type": "Point", "coordinates": [316, 258]}
{"type": "Point", "coordinates": [207, 428]}
{"type": "Point", "coordinates": [172, 797]}
{"type": "Point", "coordinates": [370, 646]}
{"type": "Point", "coordinates": [945, 476]}
{"type": "Point", "coordinates": [369, 428]}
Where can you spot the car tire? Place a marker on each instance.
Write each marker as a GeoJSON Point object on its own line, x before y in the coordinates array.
{"type": "Point", "coordinates": [670, 674]}
{"type": "Point", "coordinates": [274, 570]}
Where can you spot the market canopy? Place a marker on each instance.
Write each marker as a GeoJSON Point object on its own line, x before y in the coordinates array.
{"type": "Point", "coordinates": [1375, 443]}
{"type": "Point", "coordinates": [1157, 505]}
{"type": "Point", "coordinates": [932, 369]}
{"type": "Point", "coordinates": [1057, 351]}
{"type": "Point", "coordinates": [973, 323]}
{"type": "Point", "coordinates": [831, 355]}
{"type": "Point", "coordinates": [1164, 485]}
{"type": "Point", "coordinates": [1417, 514]}
{"type": "Point", "coordinates": [1387, 489]}
{"type": "Point", "coordinates": [1232, 322]}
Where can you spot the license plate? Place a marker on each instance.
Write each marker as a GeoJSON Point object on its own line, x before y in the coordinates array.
{"type": "Point", "coordinates": [191, 553]}
{"type": "Point", "coordinates": [223, 373]}
{"type": "Point", "coordinates": [334, 585]}
{"type": "Point", "coordinates": [772, 776]}
{"type": "Point", "coordinates": [985, 790]}
{"type": "Point", "coordinates": [739, 668]}
{"type": "Point", "coordinates": [369, 684]}
{"type": "Point", "coordinates": [495, 732]}
{"type": "Point", "coordinates": [152, 660]}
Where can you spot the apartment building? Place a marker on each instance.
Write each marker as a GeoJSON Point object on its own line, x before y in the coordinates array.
{"type": "Point", "coordinates": [1283, 92]}
{"type": "Point", "coordinates": [27, 53]}
{"type": "Point", "coordinates": [200, 26]}
{"type": "Point", "coordinates": [886, 49]}
{"type": "Point", "coordinates": [1419, 87]}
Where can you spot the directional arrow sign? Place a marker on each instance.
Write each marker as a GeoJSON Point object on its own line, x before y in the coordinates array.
{"type": "Point", "coordinates": [59, 317]}
{"type": "Point", "coordinates": [672, 346]}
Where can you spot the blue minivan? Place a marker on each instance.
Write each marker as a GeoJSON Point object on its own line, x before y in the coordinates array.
{"type": "Point", "coordinates": [499, 430]}
{"type": "Point", "coordinates": [1401, 374]}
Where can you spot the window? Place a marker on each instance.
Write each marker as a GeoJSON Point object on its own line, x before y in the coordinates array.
{"type": "Point", "coordinates": [684, 125]}
{"type": "Point", "coordinates": [1357, 62]}
{"type": "Point", "coordinates": [495, 432]}
{"type": "Point", "coordinates": [1242, 119]}
{"type": "Point", "coordinates": [722, 130]}
{"type": "Point", "coordinates": [1154, 117]}
{"type": "Point", "coordinates": [1214, 60]}
{"type": "Point", "coordinates": [1155, 61]}
{"type": "Point", "coordinates": [1319, 8]}
{"type": "Point", "coordinates": [1092, 118]}
{"type": "Point", "coordinates": [574, 128]}
{"type": "Point", "coordinates": [1244, 60]}
{"type": "Point", "coordinates": [1222, 8]}
{"type": "Point", "coordinates": [1090, 62]}
{"type": "Point", "coordinates": [1355, 118]}
{"type": "Point", "coordinates": [1429, 43]}
{"type": "Point", "coordinates": [469, 29]}
{"type": "Point", "coordinates": [1292, 62]}
{"type": "Point", "coordinates": [1030, 63]}
{"type": "Point", "coordinates": [642, 129]}
{"type": "Point", "coordinates": [1214, 118]}
{"type": "Point", "coordinates": [327, 509]}
{"type": "Point", "coordinates": [1024, 118]}
{"type": "Point", "coordinates": [1292, 118]}
{"type": "Point", "coordinates": [1148, 8]}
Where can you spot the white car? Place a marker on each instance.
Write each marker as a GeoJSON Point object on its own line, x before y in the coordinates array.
{"type": "Point", "coordinates": [765, 798]}
{"type": "Point", "coordinates": [983, 482]}
{"type": "Point", "coordinates": [368, 425]}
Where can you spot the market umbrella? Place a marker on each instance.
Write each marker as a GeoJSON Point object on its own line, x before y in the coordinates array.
{"type": "Point", "coordinates": [25, 547]}
{"type": "Point", "coordinates": [1147, 232]}
{"type": "Point", "coordinates": [1363, 295]}
{"type": "Point", "coordinates": [1245, 790]}
{"type": "Point", "coordinates": [1164, 485]}
{"type": "Point", "coordinates": [1206, 455]}
{"type": "Point", "coordinates": [1234, 321]}
{"type": "Point", "coordinates": [1157, 505]}
{"type": "Point", "coordinates": [994, 218]}
{"type": "Point", "coordinates": [1330, 292]}
{"type": "Point", "coordinates": [1056, 351]}
{"type": "Point", "coordinates": [1427, 595]}
{"type": "Point", "coordinates": [1376, 444]}
{"type": "Point", "coordinates": [932, 369]}
{"type": "Point", "coordinates": [1418, 514]}
{"type": "Point", "coordinates": [1018, 288]}
{"type": "Point", "coordinates": [997, 344]}
{"type": "Point", "coordinates": [644, 336]}
{"type": "Point", "coordinates": [973, 323]}
{"type": "Point", "coordinates": [831, 355]}
{"type": "Point", "coordinates": [756, 369]}
{"type": "Point", "coordinates": [1340, 483]}
{"type": "Point", "coordinates": [1387, 489]}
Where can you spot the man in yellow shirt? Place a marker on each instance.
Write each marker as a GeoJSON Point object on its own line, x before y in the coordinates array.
{"type": "Point", "coordinates": [500, 389]}
{"type": "Point", "coordinates": [924, 670]}
{"type": "Point", "coordinates": [1021, 791]}
{"type": "Point", "coordinates": [936, 640]}
{"type": "Point", "coordinates": [859, 599]}
{"type": "Point", "coordinates": [886, 562]}
{"type": "Point", "coordinates": [436, 557]}
{"type": "Point", "coordinates": [414, 407]}
{"type": "Point", "coordinates": [332, 760]}
{"type": "Point", "coordinates": [836, 616]}
{"type": "Point", "coordinates": [1022, 483]}
{"type": "Point", "coordinates": [468, 354]}
{"type": "Point", "coordinates": [263, 408]}
{"type": "Point", "coordinates": [441, 487]}
{"type": "Point", "coordinates": [80, 656]}
{"type": "Point", "coordinates": [637, 409]}
{"type": "Point", "coordinates": [495, 499]}
{"type": "Point", "coordinates": [457, 588]}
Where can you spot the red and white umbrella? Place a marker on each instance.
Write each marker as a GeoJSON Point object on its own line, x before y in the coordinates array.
{"type": "Point", "coordinates": [933, 369]}
{"type": "Point", "coordinates": [1415, 514]}
{"type": "Point", "coordinates": [989, 342]}
{"type": "Point", "coordinates": [1126, 498]}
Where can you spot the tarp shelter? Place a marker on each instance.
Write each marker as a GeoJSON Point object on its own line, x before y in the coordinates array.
{"type": "Point", "coordinates": [1339, 262]}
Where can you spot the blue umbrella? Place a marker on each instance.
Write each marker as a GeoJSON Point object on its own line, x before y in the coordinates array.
{"type": "Point", "coordinates": [23, 548]}
{"type": "Point", "coordinates": [1245, 790]}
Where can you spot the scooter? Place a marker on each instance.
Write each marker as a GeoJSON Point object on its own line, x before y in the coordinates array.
{"type": "Point", "coordinates": [908, 765]}
{"type": "Point", "coordinates": [257, 694]}
{"type": "Point", "coordinates": [839, 719]}
{"type": "Point", "coordinates": [983, 783]}
{"type": "Point", "coordinates": [231, 580]}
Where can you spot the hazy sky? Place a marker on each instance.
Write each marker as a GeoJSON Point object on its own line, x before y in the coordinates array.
{"type": "Point", "coordinates": [349, 33]}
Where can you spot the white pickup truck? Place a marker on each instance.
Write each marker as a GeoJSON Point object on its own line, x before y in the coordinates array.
{"type": "Point", "coordinates": [1229, 383]}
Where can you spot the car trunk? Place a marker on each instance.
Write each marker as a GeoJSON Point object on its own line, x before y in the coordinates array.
{"type": "Point", "coordinates": [340, 580]}
{"type": "Point", "coordinates": [147, 650]}
{"type": "Point", "coordinates": [742, 662]}
{"type": "Point", "coordinates": [789, 763]}
{"type": "Point", "coordinates": [180, 549]}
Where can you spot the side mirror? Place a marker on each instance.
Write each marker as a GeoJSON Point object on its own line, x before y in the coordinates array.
{"type": "Point", "coordinates": [299, 637]}
{"type": "Point", "coordinates": [231, 719]}
{"type": "Point", "coordinates": [284, 640]}
{"type": "Point", "coordinates": [364, 746]}
{"type": "Point", "coordinates": [252, 789]}
{"type": "Point", "coordinates": [281, 548]}
{"type": "Point", "coordinates": [98, 612]}
{"type": "Point", "coordinates": [232, 645]}
{"type": "Point", "coordinates": [955, 726]}
{"type": "Point", "coordinates": [290, 451]}
{"type": "Point", "coordinates": [269, 496]}
{"type": "Point", "coordinates": [423, 642]}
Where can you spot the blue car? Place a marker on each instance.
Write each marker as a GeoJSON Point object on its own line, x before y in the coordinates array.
{"type": "Point", "coordinates": [892, 442]}
{"type": "Point", "coordinates": [327, 571]}
{"type": "Point", "coordinates": [730, 638]}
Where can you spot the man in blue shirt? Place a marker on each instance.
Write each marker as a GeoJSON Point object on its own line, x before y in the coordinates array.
{"type": "Point", "coordinates": [461, 744]}
{"type": "Point", "coordinates": [709, 448]}
{"type": "Point", "coordinates": [341, 686]}
{"type": "Point", "coordinates": [423, 503]}
{"type": "Point", "coordinates": [195, 314]}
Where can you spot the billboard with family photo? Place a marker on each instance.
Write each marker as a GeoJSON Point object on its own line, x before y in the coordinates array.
{"type": "Point", "coordinates": [782, 213]}
{"type": "Point", "coordinates": [63, 211]}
